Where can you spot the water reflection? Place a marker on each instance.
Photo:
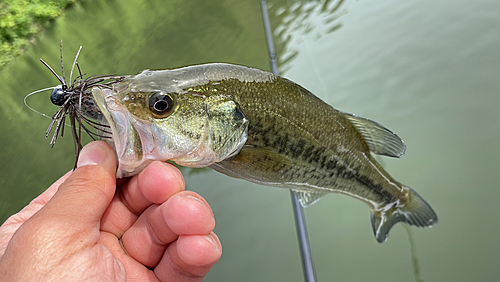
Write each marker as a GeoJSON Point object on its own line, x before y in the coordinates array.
{"type": "Point", "coordinates": [306, 20]}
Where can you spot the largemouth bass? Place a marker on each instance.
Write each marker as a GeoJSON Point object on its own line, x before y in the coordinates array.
{"type": "Point", "coordinates": [253, 125]}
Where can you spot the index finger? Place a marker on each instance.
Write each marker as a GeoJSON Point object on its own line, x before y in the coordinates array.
{"type": "Point", "coordinates": [154, 185]}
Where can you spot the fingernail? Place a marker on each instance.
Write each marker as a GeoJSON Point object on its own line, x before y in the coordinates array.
{"type": "Point", "coordinates": [204, 204]}
{"type": "Point", "coordinates": [179, 176]}
{"type": "Point", "coordinates": [210, 238]}
{"type": "Point", "coordinates": [175, 172]}
{"type": "Point", "coordinates": [92, 154]}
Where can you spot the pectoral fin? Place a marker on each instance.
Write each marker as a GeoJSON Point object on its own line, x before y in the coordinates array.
{"type": "Point", "coordinates": [266, 167]}
{"type": "Point", "coordinates": [254, 164]}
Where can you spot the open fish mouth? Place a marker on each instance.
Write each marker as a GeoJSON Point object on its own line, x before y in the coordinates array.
{"type": "Point", "coordinates": [135, 153]}
{"type": "Point", "coordinates": [130, 137]}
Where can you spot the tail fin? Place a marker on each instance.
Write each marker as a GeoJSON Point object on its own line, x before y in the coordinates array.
{"type": "Point", "coordinates": [415, 212]}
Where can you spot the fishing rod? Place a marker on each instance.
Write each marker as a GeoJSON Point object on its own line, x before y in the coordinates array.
{"type": "Point", "coordinates": [298, 211]}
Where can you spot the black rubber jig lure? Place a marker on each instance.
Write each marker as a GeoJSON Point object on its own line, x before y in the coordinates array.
{"type": "Point", "coordinates": [76, 101]}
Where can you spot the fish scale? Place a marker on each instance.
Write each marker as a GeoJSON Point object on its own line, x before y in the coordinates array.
{"type": "Point", "coordinates": [276, 137]}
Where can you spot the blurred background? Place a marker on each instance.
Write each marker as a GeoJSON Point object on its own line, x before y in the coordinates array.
{"type": "Point", "coordinates": [427, 70]}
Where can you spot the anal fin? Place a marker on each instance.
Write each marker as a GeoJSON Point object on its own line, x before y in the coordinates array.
{"type": "Point", "coordinates": [267, 167]}
{"type": "Point", "coordinates": [307, 198]}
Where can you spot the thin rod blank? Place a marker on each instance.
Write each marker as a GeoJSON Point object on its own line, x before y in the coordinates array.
{"type": "Point", "coordinates": [305, 248]}
{"type": "Point", "coordinates": [298, 211]}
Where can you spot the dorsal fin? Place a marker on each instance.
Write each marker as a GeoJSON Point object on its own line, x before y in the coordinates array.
{"type": "Point", "coordinates": [379, 139]}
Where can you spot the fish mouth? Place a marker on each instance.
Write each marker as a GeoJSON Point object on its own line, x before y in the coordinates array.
{"type": "Point", "coordinates": [130, 137]}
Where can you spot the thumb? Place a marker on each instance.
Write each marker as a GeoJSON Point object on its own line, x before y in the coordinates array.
{"type": "Point", "coordinates": [68, 222]}
{"type": "Point", "coordinates": [82, 199]}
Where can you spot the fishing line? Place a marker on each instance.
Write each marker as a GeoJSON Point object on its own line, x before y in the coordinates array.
{"type": "Point", "coordinates": [298, 211]}
{"type": "Point", "coordinates": [33, 93]}
{"type": "Point", "coordinates": [413, 251]}
{"type": "Point", "coordinates": [36, 92]}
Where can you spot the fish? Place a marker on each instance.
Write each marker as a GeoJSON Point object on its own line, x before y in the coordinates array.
{"type": "Point", "coordinates": [253, 125]}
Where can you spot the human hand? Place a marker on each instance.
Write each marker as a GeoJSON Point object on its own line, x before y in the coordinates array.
{"type": "Point", "coordinates": [88, 227]}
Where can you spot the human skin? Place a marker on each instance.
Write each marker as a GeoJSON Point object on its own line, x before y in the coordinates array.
{"type": "Point", "coordinates": [88, 226]}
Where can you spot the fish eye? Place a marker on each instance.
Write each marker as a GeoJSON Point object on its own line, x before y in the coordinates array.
{"type": "Point", "coordinates": [57, 96]}
{"type": "Point", "coordinates": [161, 104]}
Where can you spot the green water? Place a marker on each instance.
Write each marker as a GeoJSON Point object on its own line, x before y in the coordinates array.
{"type": "Point", "coordinates": [428, 70]}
